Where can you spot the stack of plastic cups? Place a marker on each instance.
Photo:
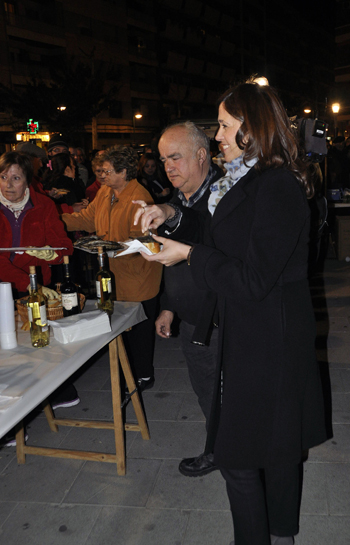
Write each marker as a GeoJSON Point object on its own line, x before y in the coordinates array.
{"type": "Point", "coordinates": [8, 338]}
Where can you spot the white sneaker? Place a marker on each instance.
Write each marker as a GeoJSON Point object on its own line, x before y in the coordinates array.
{"type": "Point", "coordinates": [65, 404]}
{"type": "Point", "coordinates": [10, 440]}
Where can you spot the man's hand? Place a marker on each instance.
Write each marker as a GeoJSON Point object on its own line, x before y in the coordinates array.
{"type": "Point", "coordinates": [163, 324]}
{"type": "Point", "coordinates": [152, 216]}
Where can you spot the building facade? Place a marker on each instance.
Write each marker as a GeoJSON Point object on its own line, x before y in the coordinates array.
{"type": "Point", "coordinates": [171, 59]}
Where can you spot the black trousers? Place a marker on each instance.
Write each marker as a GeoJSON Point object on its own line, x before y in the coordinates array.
{"type": "Point", "coordinates": [201, 363]}
{"type": "Point", "coordinates": [139, 342]}
{"type": "Point", "coordinates": [264, 502]}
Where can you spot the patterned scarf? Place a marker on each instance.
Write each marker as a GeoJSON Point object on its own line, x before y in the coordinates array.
{"type": "Point", "coordinates": [236, 169]}
{"type": "Point", "coordinates": [16, 207]}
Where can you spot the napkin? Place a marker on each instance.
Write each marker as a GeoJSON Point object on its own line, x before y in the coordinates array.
{"type": "Point", "coordinates": [134, 246]}
{"type": "Point", "coordinates": [80, 326]}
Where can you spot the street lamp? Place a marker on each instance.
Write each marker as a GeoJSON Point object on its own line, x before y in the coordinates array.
{"type": "Point", "coordinates": [261, 81]}
{"type": "Point", "coordinates": [137, 115]}
{"type": "Point", "coordinates": [307, 111]}
{"type": "Point", "coordinates": [335, 110]}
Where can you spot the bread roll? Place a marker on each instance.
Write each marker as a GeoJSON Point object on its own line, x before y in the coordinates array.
{"type": "Point", "coordinates": [150, 243]}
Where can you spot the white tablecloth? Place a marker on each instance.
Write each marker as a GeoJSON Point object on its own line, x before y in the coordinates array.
{"type": "Point", "coordinates": [29, 375]}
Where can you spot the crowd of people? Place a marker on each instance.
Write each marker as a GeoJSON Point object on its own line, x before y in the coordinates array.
{"type": "Point", "coordinates": [235, 255]}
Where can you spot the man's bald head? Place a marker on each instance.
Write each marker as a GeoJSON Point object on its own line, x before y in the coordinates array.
{"type": "Point", "coordinates": [185, 152]}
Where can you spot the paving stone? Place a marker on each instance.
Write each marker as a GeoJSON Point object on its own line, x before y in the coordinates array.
{"type": "Point", "coordinates": [336, 449]}
{"type": "Point", "coordinates": [99, 484]}
{"type": "Point", "coordinates": [40, 479]}
{"type": "Point", "coordinates": [341, 408]}
{"type": "Point", "coordinates": [6, 509]}
{"type": "Point", "coordinates": [37, 524]}
{"type": "Point", "coordinates": [338, 489]}
{"type": "Point", "coordinates": [215, 527]}
{"type": "Point", "coordinates": [172, 440]}
{"type": "Point", "coordinates": [127, 526]}
{"type": "Point", "coordinates": [314, 495]}
{"type": "Point", "coordinates": [175, 491]}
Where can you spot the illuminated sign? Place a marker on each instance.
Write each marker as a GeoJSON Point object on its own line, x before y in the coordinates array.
{"type": "Point", "coordinates": [32, 126]}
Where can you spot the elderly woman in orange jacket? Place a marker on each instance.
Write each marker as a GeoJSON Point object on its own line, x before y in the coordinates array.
{"type": "Point", "coordinates": [111, 215]}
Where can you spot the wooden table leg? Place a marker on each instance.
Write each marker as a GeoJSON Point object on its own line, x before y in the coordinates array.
{"type": "Point", "coordinates": [117, 353]}
{"type": "Point", "coordinates": [21, 457]}
{"type": "Point", "coordinates": [132, 386]}
{"type": "Point", "coordinates": [50, 416]}
{"type": "Point", "coordinates": [117, 411]}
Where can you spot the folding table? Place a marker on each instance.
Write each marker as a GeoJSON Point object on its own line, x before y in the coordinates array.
{"type": "Point", "coordinates": [29, 375]}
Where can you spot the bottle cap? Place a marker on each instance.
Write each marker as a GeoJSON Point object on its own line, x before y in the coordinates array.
{"type": "Point", "coordinates": [66, 259]}
{"type": "Point", "coordinates": [31, 269]}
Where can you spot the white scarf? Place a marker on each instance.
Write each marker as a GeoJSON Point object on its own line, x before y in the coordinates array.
{"type": "Point", "coordinates": [236, 169]}
{"type": "Point", "coordinates": [16, 207]}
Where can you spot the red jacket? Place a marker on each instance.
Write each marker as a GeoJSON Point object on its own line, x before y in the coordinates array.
{"type": "Point", "coordinates": [92, 190]}
{"type": "Point", "coordinates": [41, 226]}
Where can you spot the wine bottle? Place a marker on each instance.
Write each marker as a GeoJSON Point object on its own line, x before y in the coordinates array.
{"type": "Point", "coordinates": [39, 329]}
{"type": "Point", "coordinates": [69, 292]}
{"type": "Point", "coordinates": [104, 285]}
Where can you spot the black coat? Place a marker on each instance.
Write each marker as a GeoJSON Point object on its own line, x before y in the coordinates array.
{"type": "Point", "coordinates": [272, 406]}
{"type": "Point", "coordinates": [181, 294]}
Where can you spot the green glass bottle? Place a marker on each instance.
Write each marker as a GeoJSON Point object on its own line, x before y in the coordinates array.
{"type": "Point", "coordinates": [104, 285]}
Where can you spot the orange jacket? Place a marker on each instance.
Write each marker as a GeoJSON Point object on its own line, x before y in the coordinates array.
{"type": "Point", "coordinates": [136, 279]}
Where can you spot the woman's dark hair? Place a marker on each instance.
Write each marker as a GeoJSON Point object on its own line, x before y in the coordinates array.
{"type": "Point", "coordinates": [143, 160]}
{"type": "Point", "coordinates": [266, 132]}
{"type": "Point", "coordinates": [122, 157]}
{"type": "Point", "coordinates": [7, 160]}
{"type": "Point", "coordinates": [56, 168]}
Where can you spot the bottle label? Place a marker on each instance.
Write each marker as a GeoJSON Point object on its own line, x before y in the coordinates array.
{"type": "Point", "coordinates": [107, 285]}
{"type": "Point", "coordinates": [98, 289]}
{"type": "Point", "coordinates": [37, 313]}
{"type": "Point", "coordinates": [43, 317]}
{"type": "Point", "coordinates": [69, 300]}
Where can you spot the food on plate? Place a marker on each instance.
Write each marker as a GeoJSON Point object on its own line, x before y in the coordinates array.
{"type": "Point", "coordinates": [92, 242]}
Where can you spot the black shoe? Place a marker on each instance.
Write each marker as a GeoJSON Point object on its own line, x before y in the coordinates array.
{"type": "Point", "coordinates": [143, 384]}
{"type": "Point", "coordinates": [196, 467]}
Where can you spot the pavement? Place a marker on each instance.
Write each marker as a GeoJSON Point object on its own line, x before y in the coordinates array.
{"type": "Point", "coordinates": [52, 501]}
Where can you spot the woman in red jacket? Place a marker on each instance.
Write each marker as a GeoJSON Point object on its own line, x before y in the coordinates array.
{"type": "Point", "coordinates": [27, 218]}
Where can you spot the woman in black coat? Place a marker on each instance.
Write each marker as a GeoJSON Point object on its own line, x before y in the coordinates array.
{"type": "Point", "coordinates": [272, 404]}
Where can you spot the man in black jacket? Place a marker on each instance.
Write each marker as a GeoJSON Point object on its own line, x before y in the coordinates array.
{"type": "Point", "coordinates": [184, 151]}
